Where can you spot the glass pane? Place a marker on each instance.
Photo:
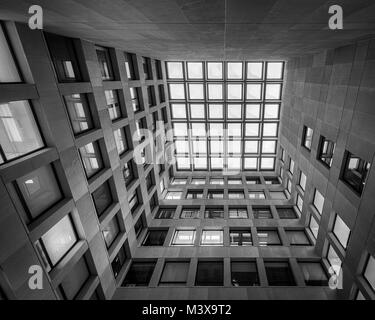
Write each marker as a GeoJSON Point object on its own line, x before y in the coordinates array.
{"type": "Point", "coordinates": [274, 70]}
{"type": "Point", "coordinates": [269, 146]}
{"type": "Point", "coordinates": [212, 237]}
{"type": "Point", "coordinates": [178, 110]}
{"type": "Point", "coordinates": [180, 129]}
{"type": "Point", "coordinates": [217, 163]}
{"type": "Point", "coordinates": [341, 231]}
{"type": "Point", "coordinates": [215, 111]}
{"type": "Point", "coordinates": [234, 111]}
{"type": "Point", "coordinates": [8, 68]}
{"type": "Point", "coordinates": [198, 129]}
{"type": "Point", "coordinates": [183, 163]}
{"type": "Point", "coordinates": [234, 146]}
{"type": "Point", "coordinates": [182, 146]}
{"type": "Point", "coordinates": [234, 130]}
{"type": "Point", "coordinates": [215, 91]}
{"type": "Point", "coordinates": [196, 91]}
{"type": "Point", "coordinates": [271, 111]}
{"type": "Point", "coordinates": [254, 70]}
{"type": "Point", "coordinates": [214, 70]}
{"type": "Point", "coordinates": [200, 163]}
{"type": "Point", "coordinates": [234, 91]}
{"type": "Point", "coordinates": [253, 111]}
{"type": "Point", "coordinates": [252, 129]}
{"type": "Point", "coordinates": [195, 70]}
{"type": "Point", "coordinates": [216, 130]}
{"type": "Point", "coordinates": [199, 146]}
{"type": "Point", "coordinates": [251, 163]}
{"type": "Point", "coordinates": [217, 146]}
{"type": "Point", "coordinates": [234, 70]}
{"type": "Point", "coordinates": [251, 146]}
{"type": "Point", "coordinates": [273, 91]}
{"type": "Point", "coordinates": [254, 91]}
{"type": "Point", "coordinates": [268, 164]}
{"type": "Point", "coordinates": [270, 129]}
{"type": "Point", "coordinates": [197, 111]}
{"type": "Point", "coordinates": [177, 91]}
{"type": "Point", "coordinates": [175, 70]}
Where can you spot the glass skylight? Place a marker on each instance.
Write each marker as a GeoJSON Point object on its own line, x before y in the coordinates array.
{"type": "Point", "coordinates": [225, 114]}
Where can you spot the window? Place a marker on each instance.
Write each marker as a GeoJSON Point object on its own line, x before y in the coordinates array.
{"type": "Point", "coordinates": [210, 273]}
{"type": "Point", "coordinates": [57, 242]}
{"type": "Point", "coordinates": [278, 195]}
{"type": "Point", "coordinates": [314, 226]}
{"type": "Point", "coordinates": [154, 201]}
{"type": "Point", "coordinates": [234, 70]}
{"type": "Point", "coordinates": [218, 181]}
{"type": "Point", "coordinates": [289, 187]}
{"type": "Point", "coordinates": [333, 259]}
{"type": "Point", "coordinates": [244, 273]}
{"type": "Point", "coordinates": [159, 71]}
{"type": "Point", "coordinates": [314, 274]}
{"type": "Point", "coordinates": [279, 273]}
{"type": "Point", "coordinates": [178, 181]}
{"type": "Point", "coordinates": [238, 213]}
{"type": "Point", "coordinates": [178, 110]}
{"type": "Point", "coordinates": [271, 180]}
{"type": "Point", "coordinates": [8, 68]}
{"type": "Point", "coordinates": [195, 70]}
{"type": "Point", "coordinates": [297, 237]}
{"type": "Point", "coordinates": [286, 213]}
{"type": "Point", "coordinates": [173, 195]}
{"type": "Point", "coordinates": [128, 172]}
{"type": "Point", "coordinates": [234, 91]}
{"type": "Point", "coordinates": [268, 237]}
{"type": "Point", "coordinates": [196, 91]}
{"type": "Point", "coordinates": [354, 172]}
{"type": "Point", "coordinates": [299, 203]}
{"type": "Point", "coordinates": [174, 273]}
{"type": "Point", "coordinates": [190, 213]}
{"type": "Point", "coordinates": [215, 195]}
{"type": "Point", "coordinates": [175, 70]}
{"type": "Point", "coordinates": [291, 166]}
{"type": "Point", "coordinates": [119, 261]}
{"type": "Point", "coordinates": [341, 231]}
{"type": "Point", "coordinates": [240, 238]}
{"type": "Point", "coordinates": [147, 69]}
{"type": "Point", "coordinates": [113, 105]}
{"type": "Point", "coordinates": [194, 194]}
{"type": "Point", "coordinates": [176, 91]}
{"type": "Point", "coordinates": [63, 54]}
{"type": "Point", "coordinates": [150, 180]}
{"type": "Point", "coordinates": [39, 190]}
{"type": "Point", "coordinates": [275, 70]}
{"type": "Point", "coordinates": [318, 201]}
{"type": "Point", "coordinates": [161, 93]}
{"type": "Point", "coordinates": [135, 94]}
{"type": "Point", "coordinates": [254, 70]}
{"type": "Point", "coordinates": [214, 213]}
{"type": "Point", "coordinates": [236, 195]}
{"type": "Point", "coordinates": [133, 200]}
{"type": "Point", "coordinates": [369, 273]}
{"type": "Point", "coordinates": [198, 181]}
{"type": "Point", "coordinates": [183, 238]}
{"type": "Point", "coordinates": [257, 195]}
{"type": "Point", "coordinates": [250, 180]}
{"type": "Point", "coordinates": [302, 181]}
{"type": "Point", "coordinates": [197, 111]}
{"type": "Point", "coordinates": [214, 70]}
{"type": "Point", "coordinates": [111, 231]}
{"type": "Point", "coordinates": [234, 111]}
{"type": "Point", "coordinates": [19, 131]}
{"type": "Point", "coordinates": [139, 274]}
{"type": "Point", "coordinates": [155, 238]}
{"type": "Point", "coordinates": [151, 96]}
{"type": "Point", "coordinates": [91, 158]}
{"type": "Point", "coordinates": [75, 280]}
{"type": "Point", "coordinates": [273, 91]}
{"type": "Point", "coordinates": [105, 65]}
{"type": "Point", "coordinates": [212, 238]}
{"type": "Point", "coordinates": [253, 91]}
{"type": "Point", "coordinates": [165, 213]}
{"type": "Point", "coordinates": [139, 226]}
{"type": "Point", "coordinates": [120, 139]}
{"type": "Point", "coordinates": [79, 113]}
{"type": "Point", "coordinates": [262, 213]}
{"type": "Point", "coordinates": [326, 151]}
{"type": "Point", "coordinates": [131, 66]}
{"type": "Point", "coordinates": [307, 137]}
{"type": "Point", "coordinates": [102, 198]}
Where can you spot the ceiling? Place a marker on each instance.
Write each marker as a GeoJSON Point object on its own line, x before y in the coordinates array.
{"type": "Point", "coordinates": [202, 29]}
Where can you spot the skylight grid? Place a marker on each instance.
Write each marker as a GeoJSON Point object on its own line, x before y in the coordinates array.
{"type": "Point", "coordinates": [225, 115]}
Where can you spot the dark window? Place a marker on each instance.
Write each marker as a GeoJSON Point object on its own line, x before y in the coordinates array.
{"type": "Point", "coordinates": [91, 158]}
{"type": "Point", "coordinates": [307, 137]}
{"type": "Point", "coordinates": [314, 274]}
{"type": "Point", "coordinates": [154, 202]}
{"type": "Point", "coordinates": [102, 198]}
{"type": "Point", "coordinates": [133, 201]}
{"type": "Point", "coordinates": [174, 273]}
{"type": "Point", "coordinates": [214, 213]}
{"type": "Point", "coordinates": [155, 238]}
{"type": "Point", "coordinates": [250, 180]}
{"type": "Point", "coordinates": [326, 150]}
{"type": "Point", "coordinates": [190, 213]}
{"type": "Point", "coordinates": [150, 180]}
{"type": "Point", "coordinates": [196, 194]}
{"type": "Point", "coordinates": [79, 112]}
{"type": "Point", "coordinates": [139, 226]}
{"type": "Point", "coordinates": [139, 275]}
{"type": "Point", "coordinates": [131, 66]}
{"type": "Point", "coordinates": [297, 237]}
{"type": "Point", "coordinates": [164, 115]}
{"type": "Point", "coordinates": [240, 238]}
{"type": "Point", "coordinates": [135, 95]}
{"type": "Point", "coordinates": [147, 69]}
{"type": "Point", "coordinates": [155, 119]}
{"type": "Point", "coordinates": [286, 213]}
{"type": "Point", "coordinates": [165, 213]}
{"type": "Point", "coordinates": [111, 231]}
{"type": "Point", "coordinates": [210, 273]}
{"type": "Point", "coordinates": [128, 172]}
{"type": "Point", "coordinates": [151, 96]}
{"type": "Point", "coordinates": [244, 273]}
{"type": "Point", "coordinates": [2, 295]}
{"type": "Point", "coordinates": [268, 237]}
{"type": "Point", "coordinates": [64, 58]}
{"type": "Point", "coordinates": [262, 213]}
{"type": "Point", "coordinates": [159, 70]}
{"type": "Point", "coordinates": [354, 172]}
{"type": "Point", "coordinates": [161, 93]}
{"type": "Point", "coordinates": [119, 261]}
{"type": "Point", "coordinates": [279, 274]}
{"type": "Point", "coordinates": [272, 180]}
{"type": "Point", "coordinates": [105, 64]}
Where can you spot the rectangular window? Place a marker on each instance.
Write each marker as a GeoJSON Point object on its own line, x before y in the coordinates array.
{"type": "Point", "coordinates": [215, 195]}
{"type": "Point", "coordinates": [297, 237]}
{"type": "Point", "coordinates": [19, 131]}
{"type": "Point", "coordinates": [326, 151]}
{"type": "Point", "coordinates": [244, 273]}
{"type": "Point", "coordinates": [302, 181]}
{"type": "Point", "coordinates": [262, 213]}
{"type": "Point", "coordinates": [190, 213]}
{"type": "Point", "coordinates": [278, 195]}
{"type": "Point", "coordinates": [39, 190]}
{"type": "Point", "coordinates": [194, 194]}
{"type": "Point", "coordinates": [165, 213]}
{"type": "Point", "coordinates": [268, 237]}
{"type": "Point", "coordinates": [120, 140]}
{"type": "Point", "coordinates": [139, 226]}
{"type": "Point", "coordinates": [218, 181]}
{"type": "Point", "coordinates": [105, 64]}
{"type": "Point", "coordinates": [183, 238]}
{"type": "Point", "coordinates": [318, 201]}
{"type": "Point", "coordinates": [135, 94]}
{"type": "Point", "coordinates": [279, 273]}
{"type": "Point", "coordinates": [64, 57]}
{"type": "Point", "coordinates": [111, 231]}
{"type": "Point", "coordinates": [147, 69]}
{"type": "Point", "coordinates": [8, 67]}
{"type": "Point", "coordinates": [354, 172]}
{"type": "Point", "coordinates": [139, 274]}
{"type": "Point", "coordinates": [175, 273]}
{"type": "Point", "coordinates": [79, 113]}
{"type": "Point", "coordinates": [314, 227]}
{"type": "Point", "coordinates": [155, 238]}
{"type": "Point", "coordinates": [256, 195]}
{"type": "Point", "coordinates": [314, 274]}
{"type": "Point", "coordinates": [286, 213]}
{"type": "Point", "coordinates": [133, 201]}
{"type": "Point", "coordinates": [178, 181]}
{"type": "Point", "coordinates": [210, 273]}
{"type": "Point", "coordinates": [102, 198]}
{"type": "Point", "coordinates": [333, 258]}
{"type": "Point", "coordinates": [91, 158]}
{"type": "Point", "coordinates": [159, 71]}
{"type": "Point", "coordinates": [291, 166]}
{"type": "Point", "coordinates": [119, 261]}
{"type": "Point", "coordinates": [150, 180]}
{"type": "Point", "coordinates": [113, 104]}
{"type": "Point", "coordinates": [234, 181]}
{"type": "Point", "coordinates": [198, 181]}
{"type": "Point", "coordinates": [299, 203]}
{"type": "Point", "coordinates": [194, 70]}
{"type": "Point", "coordinates": [271, 180]}
{"type": "Point", "coordinates": [236, 195]}
{"type": "Point", "coordinates": [212, 238]}
{"type": "Point", "coordinates": [214, 213]}
{"type": "Point", "coordinates": [307, 137]}
{"type": "Point", "coordinates": [341, 231]}
{"type": "Point", "coordinates": [131, 66]}
{"type": "Point", "coordinates": [240, 238]}
{"type": "Point", "coordinates": [369, 273]}
{"type": "Point", "coordinates": [250, 180]}
{"type": "Point", "coordinates": [238, 213]}
{"type": "Point", "coordinates": [161, 93]}
{"type": "Point", "coordinates": [151, 96]}
{"type": "Point", "coordinates": [57, 242]}
{"type": "Point", "coordinates": [128, 172]}
{"type": "Point", "coordinates": [173, 195]}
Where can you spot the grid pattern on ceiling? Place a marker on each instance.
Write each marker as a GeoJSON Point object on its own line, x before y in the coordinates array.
{"type": "Point", "coordinates": [225, 115]}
